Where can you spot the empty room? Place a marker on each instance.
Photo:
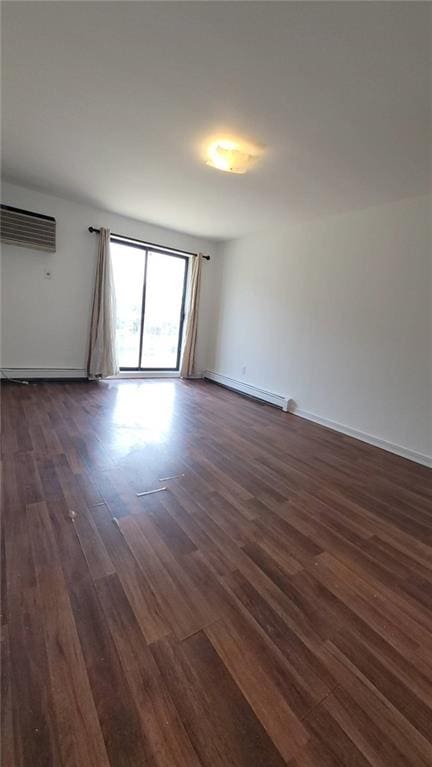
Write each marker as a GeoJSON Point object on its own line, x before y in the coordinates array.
{"type": "Point", "coordinates": [216, 384]}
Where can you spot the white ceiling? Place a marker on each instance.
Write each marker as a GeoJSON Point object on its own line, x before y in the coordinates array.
{"type": "Point", "coordinates": [109, 102]}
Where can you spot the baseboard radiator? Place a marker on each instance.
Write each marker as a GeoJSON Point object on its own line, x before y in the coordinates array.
{"type": "Point", "coordinates": [35, 374]}
{"type": "Point", "coordinates": [279, 400]}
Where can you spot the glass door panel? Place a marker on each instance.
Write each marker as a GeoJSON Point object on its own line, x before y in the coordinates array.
{"type": "Point", "coordinates": [128, 267]}
{"type": "Point", "coordinates": [163, 309]}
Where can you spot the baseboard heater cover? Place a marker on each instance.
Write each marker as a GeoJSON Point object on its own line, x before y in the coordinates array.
{"type": "Point", "coordinates": [44, 373]}
{"type": "Point", "coordinates": [279, 400]}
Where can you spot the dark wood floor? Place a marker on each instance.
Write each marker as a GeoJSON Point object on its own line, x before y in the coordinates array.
{"type": "Point", "coordinates": [271, 607]}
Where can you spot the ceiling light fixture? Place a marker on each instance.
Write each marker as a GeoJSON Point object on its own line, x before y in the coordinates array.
{"type": "Point", "coordinates": [231, 156]}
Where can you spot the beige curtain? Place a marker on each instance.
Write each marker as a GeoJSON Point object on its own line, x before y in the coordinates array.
{"type": "Point", "coordinates": [187, 366]}
{"type": "Point", "coordinates": [102, 360]}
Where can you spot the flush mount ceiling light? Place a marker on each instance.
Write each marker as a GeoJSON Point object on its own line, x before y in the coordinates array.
{"type": "Point", "coordinates": [231, 155]}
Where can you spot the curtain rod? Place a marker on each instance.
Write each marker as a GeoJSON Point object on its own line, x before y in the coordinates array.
{"type": "Point", "coordinates": [93, 230]}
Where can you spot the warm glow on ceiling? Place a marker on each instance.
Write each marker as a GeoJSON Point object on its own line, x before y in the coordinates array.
{"type": "Point", "coordinates": [231, 155]}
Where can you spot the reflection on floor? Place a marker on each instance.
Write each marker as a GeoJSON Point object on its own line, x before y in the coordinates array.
{"type": "Point", "coordinates": [272, 606]}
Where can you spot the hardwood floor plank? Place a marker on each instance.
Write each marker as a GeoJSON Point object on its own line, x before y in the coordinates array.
{"type": "Point", "coordinates": [34, 732]}
{"type": "Point", "coordinates": [368, 735]}
{"type": "Point", "coordinates": [383, 612]}
{"type": "Point", "coordinates": [3, 575]}
{"type": "Point", "coordinates": [266, 684]}
{"type": "Point", "coordinates": [27, 478]}
{"type": "Point", "coordinates": [370, 524]}
{"type": "Point", "coordinates": [174, 537]}
{"type": "Point", "coordinates": [179, 509]}
{"type": "Point", "coordinates": [217, 718]}
{"type": "Point", "coordinates": [183, 607]}
{"type": "Point", "coordinates": [404, 694]}
{"type": "Point", "coordinates": [161, 723]}
{"type": "Point", "coordinates": [334, 735]}
{"type": "Point", "coordinates": [94, 550]}
{"type": "Point", "coordinates": [315, 754]}
{"type": "Point", "coordinates": [7, 745]}
{"type": "Point", "coordinates": [73, 709]}
{"type": "Point", "coordinates": [125, 740]}
{"type": "Point", "coordinates": [306, 667]}
{"type": "Point", "coordinates": [277, 589]}
{"type": "Point", "coordinates": [140, 594]}
{"type": "Point", "coordinates": [397, 729]}
{"type": "Point", "coordinates": [119, 719]}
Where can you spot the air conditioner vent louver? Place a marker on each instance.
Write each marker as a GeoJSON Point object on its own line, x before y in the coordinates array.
{"type": "Point", "coordinates": [27, 229]}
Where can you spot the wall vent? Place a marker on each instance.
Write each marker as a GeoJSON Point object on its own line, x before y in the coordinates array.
{"type": "Point", "coordinates": [27, 229]}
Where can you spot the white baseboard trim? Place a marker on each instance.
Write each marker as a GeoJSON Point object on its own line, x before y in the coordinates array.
{"type": "Point", "coordinates": [45, 372]}
{"type": "Point", "coordinates": [281, 400]}
{"type": "Point", "coordinates": [404, 452]}
{"type": "Point", "coordinates": [287, 405]}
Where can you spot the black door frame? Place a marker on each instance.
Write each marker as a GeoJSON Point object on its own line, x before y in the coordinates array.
{"type": "Point", "coordinates": [156, 249]}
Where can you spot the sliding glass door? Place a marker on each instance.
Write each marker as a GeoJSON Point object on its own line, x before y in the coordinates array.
{"type": "Point", "coordinates": [150, 291]}
{"type": "Point", "coordinates": [129, 269]}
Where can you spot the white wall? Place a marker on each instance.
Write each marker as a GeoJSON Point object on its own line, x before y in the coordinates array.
{"type": "Point", "coordinates": [336, 313]}
{"type": "Point", "coordinates": [45, 322]}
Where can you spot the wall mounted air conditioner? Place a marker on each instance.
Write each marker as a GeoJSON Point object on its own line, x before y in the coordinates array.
{"type": "Point", "coordinates": [27, 229]}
